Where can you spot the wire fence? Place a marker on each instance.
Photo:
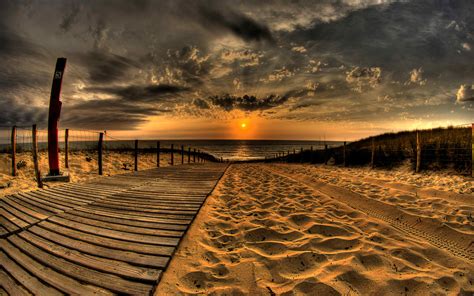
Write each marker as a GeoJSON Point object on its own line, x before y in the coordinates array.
{"type": "Point", "coordinates": [79, 153]}
{"type": "Point", "coordinates": [434, 149]}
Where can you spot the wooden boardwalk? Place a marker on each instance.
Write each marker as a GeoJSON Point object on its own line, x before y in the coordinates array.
{"type": "Point", "coordinates": [114, 235]}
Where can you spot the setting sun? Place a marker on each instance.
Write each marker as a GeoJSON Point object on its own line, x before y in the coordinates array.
{"type": "Point", "coordinates": [243, 125]}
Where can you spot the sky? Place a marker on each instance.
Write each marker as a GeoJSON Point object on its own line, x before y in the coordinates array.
{"type": "Point", "coordinates": [310, 70]}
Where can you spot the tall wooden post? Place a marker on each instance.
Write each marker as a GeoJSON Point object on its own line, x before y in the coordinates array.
{"type": "Point", "coordinates": [472, 150]}
{"type": "Point", "coordinates": [189, 154]}
{"type": "Point", "coordinates": [199, 155]}
{"type": "Point", "coordinates": [66, 148]}
{"type": "Point", "coordinates": [418, 152]}
{"type": "Point", "coordinates": [344, 154]}
{"type": "Point", "coordinates": [13, 143]}
{"type": "Point", "coordinates": [53, 118]}
{"type": "Point", "coordinates": [194, 155]}
{"type": "Point", "coordinates": [158, 154]}
{"type": "Point", "coordinates": [34, 136]}
{"type": "Point", "coordinates": [99, 149]}
{"type": "Point", "coordinates": [136, 155]}
{"type": "Point", "coordinates": [372, 158]}
{"type": "Point", "coordinates": [172, 154]}
{"type": "Point", "coordinates": [182, 154]}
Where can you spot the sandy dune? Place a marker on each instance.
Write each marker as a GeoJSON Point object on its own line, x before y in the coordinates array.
{"type": "Point", "coordinates": [298, 230]}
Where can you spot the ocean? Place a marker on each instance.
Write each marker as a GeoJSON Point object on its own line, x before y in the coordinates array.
{"type": "Point", "coordinates": [234, 149]}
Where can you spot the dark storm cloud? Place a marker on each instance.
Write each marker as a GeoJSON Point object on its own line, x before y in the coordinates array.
{"type": "Point", "coordinates": [239, 24]}
{"type": "Point", "coordinates": [15, 113]}
{"type": "Point", "coordinates": [248, 103]}
{"type": "Point", "coordinates": [143, 93]}
{"type": "Point", "coordinates": [201, 104]}
{"type": "Point", "coordinates": [108, 114]}
{"type": "Point", "coordinates": [105, 67]}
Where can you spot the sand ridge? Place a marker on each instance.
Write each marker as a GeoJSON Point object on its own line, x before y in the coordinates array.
{"type": "Point", "coordinates": [263, 233]}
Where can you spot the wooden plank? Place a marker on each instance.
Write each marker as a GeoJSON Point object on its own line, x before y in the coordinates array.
{"type": "Point", "coordinates": [80, 273]}
{"type": "Point", "coordinates": [133, 217]}
{"type": "Point", "coordinates": [21, 207]}
{"type": "Point", "coordinates": [156, 209]}
{"type": "Point", "coordinates": [106, 252]}
{"type": "Point", "coordinates": [8, 225]}
{"type": "Point", "coordinates": [139, 238]}
{"type": "Point", "coordinates": [121, 227]}
{"type": "Point", "coordinates": [155, 204]}
{"type": "Point", "coordinates": [53, 278]}
{"type": "Point", "coordinates": [10, 286]}
{"type": "Point", "coordinates": [142, 224]}
{"type": "Point", "coordinates": [27, 218]}
{"type": "Point", "coordinates": [109, 242]}
{"type": "Point", "coordinates": [91, 261]}
{"type": "Point", "coordinates": [14, 219]}
{"type": "Point", "coordinates": [186, 219]}
{"type": "Point", "coordinates": [51, 198]}
{"type": "Point", "coordinates": [55, 208]}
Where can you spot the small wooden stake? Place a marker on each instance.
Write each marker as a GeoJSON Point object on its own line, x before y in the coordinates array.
{"type": "Point", "coordinates": [66, 148]}
{"type": "Point", "coordinates": [182, 154]}
{"type": "Point", "coordinates": [199, 155]}
{"type": "Point", "coordinates": [472, 151]}
{"type": "Point", "coordinates": [189, 154]}
{"type": "Point", "coordinates": [344, 154]}
{"type": "Point", "coordinates": [35, 156]}
{"type": "Point", "coordinates": [100, 146]}
{"type": "Point", "coordinates": [372, 159]}
{"type": "Point", "coordinates": [158, 154]}
{"type": "Point", "coordinates": [136, 155]}
{"type": "Point", "coordinates": [13, 143]}
{"type": "Point", "coordinates": [194, 156]}
{"type": "Point", "coordinates": [418, 152]}
{"type": "Point", "coordinates": [172, 154]}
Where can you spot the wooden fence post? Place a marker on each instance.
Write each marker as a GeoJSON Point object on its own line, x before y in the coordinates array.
{"type": "Point", "coordinates": [472, 150]}
{"type": "Point", "coordinates": [326, 154]}
{"type": "Point", "coordinates": [136, 155]}
{"type": "Point", "coordinates": [158, 154]}
{"type": "Point", "coordinates": [66, 148]}
{"type": "Point", "coordinates": [199, 155]}
{"type": "Point", "coordinates": [418, 152]}
{"type": "Point", "coordinates": [13, 143]}
{"type": "Point", "coordinates": [172, 154]}
{"type": "Point", "coordinates": [100, 146]}
{"type": "Point", "coordinates": [34, 136]}
{"type": "Point", "coordinates": [189, 154]}
{"type": "Point", "coordinates": [372, 158]}
{"type": "Point", "coordinates": [344, 155]}
{"type": "Point", "coordinates": [194, 155]}
{"type": "Point", "coordinates": [182, 154]}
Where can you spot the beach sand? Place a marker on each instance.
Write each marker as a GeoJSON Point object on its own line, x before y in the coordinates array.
{"type": "Point", "coordinates": [281, 229]}
{"type": "Point", "coordinates": [82, 167]}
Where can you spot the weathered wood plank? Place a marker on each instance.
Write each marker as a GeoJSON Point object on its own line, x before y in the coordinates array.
{"type": "Point", "coordinates": [109, 242]}
{"type": "Point", "coordinates": [91, 261]}
{"type": "Point", "coordinates": [120, 227]}
{"type": "Point", "coordinates": [25, 217]}
{"type": "Point", "coordinates": [140, 238]}
{"type": "Point", "coordinates": [85, 275]}
{"type": "Point", "coordinates": [53, 278]}
{"type": "Point", "coordinates": [123, 221]}
{"type": "Point", "coordinates": [10, 286]}
{"type": "Point", "coordinates": [106, 252]}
